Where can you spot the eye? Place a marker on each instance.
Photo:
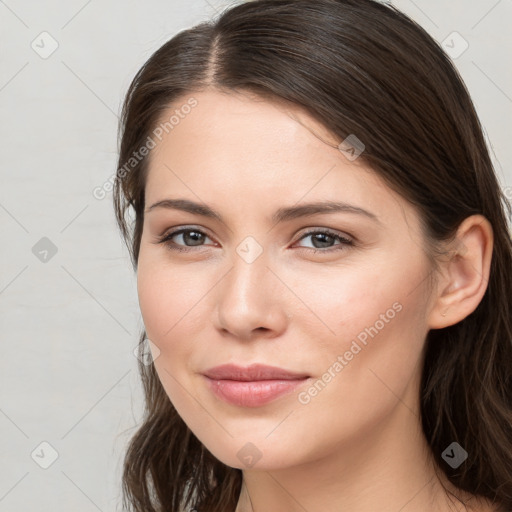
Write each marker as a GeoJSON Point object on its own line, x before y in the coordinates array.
{"type": "Point", "coordinates": [323, 239]}
{"type": "Point", "coordinates": [188, 235]}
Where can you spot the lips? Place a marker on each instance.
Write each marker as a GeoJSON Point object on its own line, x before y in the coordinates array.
{"type": "Point", "coordinates": [253, 372]}
{"type": "Point", "coordinates": [252, 386]}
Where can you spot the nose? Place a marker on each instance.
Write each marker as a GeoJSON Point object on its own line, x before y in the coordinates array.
{"type": "Point", "coordinates": [251, 300]}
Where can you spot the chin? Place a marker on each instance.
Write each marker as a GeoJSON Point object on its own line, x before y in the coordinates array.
{"type": "Point", "coordinates": [255, 452]}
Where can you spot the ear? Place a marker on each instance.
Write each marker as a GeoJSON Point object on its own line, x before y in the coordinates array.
{"type": "Point", "coordinates": [465, 274]}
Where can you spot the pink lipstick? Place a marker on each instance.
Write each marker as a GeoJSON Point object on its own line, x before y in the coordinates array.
{"type": "Point", "coordinates": [252, 386]}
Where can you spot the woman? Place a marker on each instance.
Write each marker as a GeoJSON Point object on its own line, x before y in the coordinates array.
{"type": "Point", "coordinates": [324, 269]}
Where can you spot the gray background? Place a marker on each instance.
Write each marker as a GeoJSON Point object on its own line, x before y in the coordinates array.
{"type": "Point", "coordinates": [70, 320]}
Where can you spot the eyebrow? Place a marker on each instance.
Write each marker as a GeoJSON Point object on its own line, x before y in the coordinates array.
{"type": "Point", "coordinates": [281, 215]}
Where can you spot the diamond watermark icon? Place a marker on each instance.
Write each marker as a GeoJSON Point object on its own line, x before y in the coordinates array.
{"type": "Point", "coordinates": [455, 45]}
{"type": "Point", "coordinates": [44, 250]}
{"type": "Point", "coordinates": [249, 455]}
{"type": "Point", "coordinates": [44, 45]}
{"type": "Point", "coordinates": [149, 353]}
{"type": "Point", "coordinates": [44, 455]}
{"type": "Point", "coordinates": [351, 147]}
{"type": "Point", "coordinates": [454, 455]}
{"type": "Point", "coordinates": [249, 249]}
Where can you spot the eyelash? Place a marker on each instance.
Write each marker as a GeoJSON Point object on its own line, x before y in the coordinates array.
{"type": "Point", "coordinates": [165, 240]}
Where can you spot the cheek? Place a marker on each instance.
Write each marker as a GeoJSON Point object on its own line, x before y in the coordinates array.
{"type": "Point", "coordinates": [353, 303]}
{"type": "Point", "coordinates": [155, 301]}
{"type": "Point", "coordinates": [169, 305]}
{"type": "Point", "coordinates": [374, 314]}
{"type": "Point", "coordinates": [379, 323]}
{"type": "Point", "coordinates": [168, 297]}
{"type": "Point", "coordinates": [172, 301]}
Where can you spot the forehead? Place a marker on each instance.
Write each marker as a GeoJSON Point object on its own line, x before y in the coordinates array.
{"type": "Point", "coordinates": [231, 133]}
{"type": "Point", "coordinates": [241, 149]}
{"type": "Point", "coordinates": [245, 122]}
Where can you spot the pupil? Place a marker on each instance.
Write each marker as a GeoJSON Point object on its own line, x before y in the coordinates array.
{"type": "Point", "coordinates": [322, 235]}
{"type": "Point", "coordinates": [193, 239]}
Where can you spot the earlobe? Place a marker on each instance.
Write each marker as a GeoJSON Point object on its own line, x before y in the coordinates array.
{"type": "Point", "coordinates": [465, 274]}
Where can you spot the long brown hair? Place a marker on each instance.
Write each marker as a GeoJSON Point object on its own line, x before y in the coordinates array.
{"type": "Point", "coordinates": [359, 67]}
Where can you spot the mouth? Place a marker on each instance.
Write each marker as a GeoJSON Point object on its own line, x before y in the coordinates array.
{"type": "Point", "coordinates": [254, 372]}
{"type": "Point", "coordinates": [252, 386]}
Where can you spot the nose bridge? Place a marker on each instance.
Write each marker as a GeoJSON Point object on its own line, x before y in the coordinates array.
{"type": "Point", "coordinates": [248, 277]}
{"type": "Point", "coordinates": [247, 298]}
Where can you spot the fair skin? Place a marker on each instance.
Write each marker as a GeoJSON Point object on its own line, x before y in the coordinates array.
{"type": "Point", "coordinates": [356, 445]}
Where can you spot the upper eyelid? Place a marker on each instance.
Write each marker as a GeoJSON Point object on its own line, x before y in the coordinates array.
{"type": "Point", "coordinates": [181, 230]}
{"type": "Point", "coordinates": [307, 232]}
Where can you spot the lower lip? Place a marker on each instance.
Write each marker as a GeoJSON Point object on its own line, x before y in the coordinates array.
{"type": "Point", "coordinates": [252, 393]}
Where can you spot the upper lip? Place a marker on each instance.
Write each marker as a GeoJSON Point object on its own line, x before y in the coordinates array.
{"type": "Point", "coordinates": [251, 373]}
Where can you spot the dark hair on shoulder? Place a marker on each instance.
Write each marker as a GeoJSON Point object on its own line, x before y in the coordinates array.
{"type": "Point", "coordinates": [359, 67]}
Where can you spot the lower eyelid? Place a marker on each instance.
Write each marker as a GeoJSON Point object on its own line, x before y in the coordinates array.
{"type": "Point", "coordinates": [166, 240]}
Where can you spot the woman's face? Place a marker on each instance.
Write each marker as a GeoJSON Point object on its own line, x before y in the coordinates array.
{"type": "Point", "coordinates": [256, 286]}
